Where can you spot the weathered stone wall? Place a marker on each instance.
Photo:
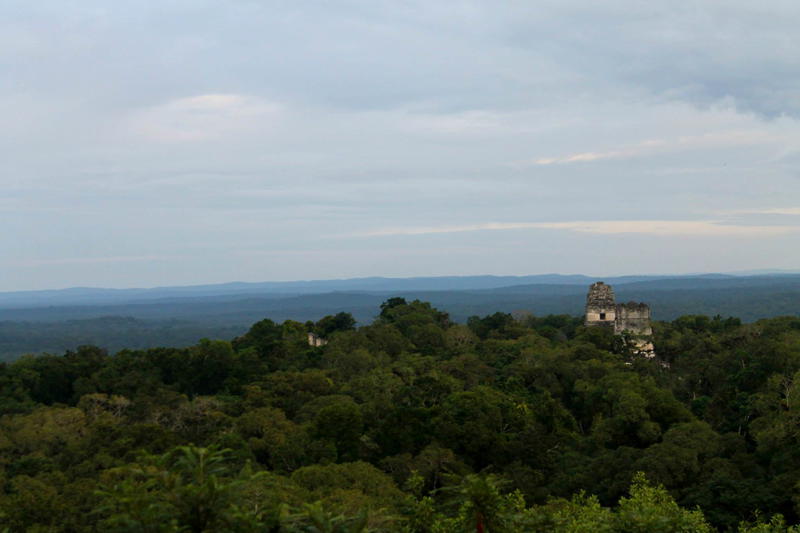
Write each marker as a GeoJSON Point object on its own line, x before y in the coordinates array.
{"type": "Point", "coordinates": [316, 340]}
{"type": "Point", "coordinates": [601, 309]}
{"type": "Point", "coordinates": [634, 318]}
{"type": "Point", "coordinates": [601, 295]}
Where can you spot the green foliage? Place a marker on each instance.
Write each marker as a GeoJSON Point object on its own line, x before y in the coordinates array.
{"type": "Point", "coordinates": [509, 423]}
{"type": "Point", "coordinates": [776, 524]}
{"type": "Point", "coordinates": [188, 489]}
{"type": "Point", "coordinates": [481, 506]}
{"type": "Point", "coordinates": [647, 509]}
{"type": "Point", "coordinates": [314, 518]}
{"type": "Point", "coordinates": [651, 509]}
{"type": "Point", "coordinates": [330, 324]}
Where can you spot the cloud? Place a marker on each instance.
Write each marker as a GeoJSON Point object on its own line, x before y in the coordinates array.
{"type": "Point", "coordinates": [697, 228]}
{"type": "Point", "coordinates": [738, 53]}
{"type": "Point", "coordinates": [201, 117]}
{"type": "Point", "coordinates": [787, 211]}
{"type": "Point", "coordinates": [90, 260]}
{"type": "Point", "coordinates": [585, 157]}
{"type": "Point", "coordinates": [430, 230]}
{"type": "Point", "coordinates": [782, 211]}
{"type": "Point", "coordinates": [190, 126]}
{"type": "Point", "coordinates": [657, 146]}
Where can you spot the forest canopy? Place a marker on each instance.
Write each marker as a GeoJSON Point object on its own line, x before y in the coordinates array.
{"type": "Point", "coordinates": [412, 423]}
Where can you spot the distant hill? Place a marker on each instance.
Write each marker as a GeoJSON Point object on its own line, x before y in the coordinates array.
{"type": "Point", "coordinates": [99, 296]}
{"type": "Point", "coordinates": [180, 316]}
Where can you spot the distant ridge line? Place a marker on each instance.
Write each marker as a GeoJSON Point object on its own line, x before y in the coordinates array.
{"type": "Point", "coordinates": [375, 284]}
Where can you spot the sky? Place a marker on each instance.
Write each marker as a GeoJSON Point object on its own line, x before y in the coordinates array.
{"type": "Point", "coordinates": [184, 142]}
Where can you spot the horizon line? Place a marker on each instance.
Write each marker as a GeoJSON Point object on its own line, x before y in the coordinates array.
{"type": "Point", "coordinates": [739, 273]}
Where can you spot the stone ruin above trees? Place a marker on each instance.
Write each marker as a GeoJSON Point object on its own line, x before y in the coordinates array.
{"type": "Point", "coordinates": [631, 320]}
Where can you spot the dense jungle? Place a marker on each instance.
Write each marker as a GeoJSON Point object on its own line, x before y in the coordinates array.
{"type": "Point", "coordinates": [412, 423]}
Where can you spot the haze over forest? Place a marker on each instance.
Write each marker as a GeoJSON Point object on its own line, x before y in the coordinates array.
{"type": "Point", "coordinates": [54, 321]}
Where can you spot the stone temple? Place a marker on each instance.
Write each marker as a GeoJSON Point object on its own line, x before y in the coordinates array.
{"type": "Point", "coordinates": [631, 318]}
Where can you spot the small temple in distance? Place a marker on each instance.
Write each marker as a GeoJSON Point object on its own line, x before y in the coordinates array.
{"type": "Point", "coordinates": [632, 318]}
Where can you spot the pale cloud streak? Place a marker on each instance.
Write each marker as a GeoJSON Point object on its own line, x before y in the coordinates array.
{"type": "Point", "coordinates": [696, 228]}
{"type": "Point", "coordinates": [659, 146]}
{"type": "Point", "coordinates": [201, 117]}
{"type": "Point", "coordinates": [91, 260]}
{"type": "Point", "coordinates": [784, 211]}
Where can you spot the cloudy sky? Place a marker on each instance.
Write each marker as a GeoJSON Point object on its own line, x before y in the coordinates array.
{"type": "Point", "coordinates": [183, 142]}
